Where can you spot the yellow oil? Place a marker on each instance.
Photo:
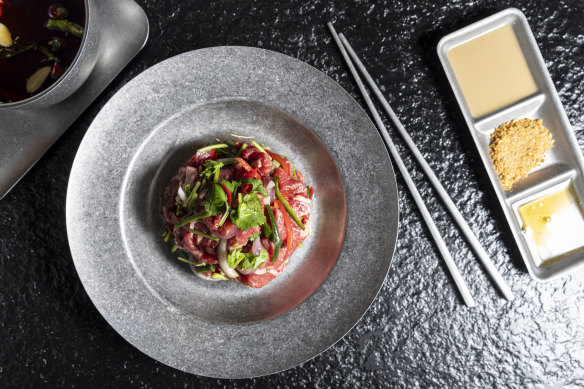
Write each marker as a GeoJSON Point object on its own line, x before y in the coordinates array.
{"type": "Point", "coordinates": [491, 71]}
{"type": "Point", "coordinates": [555, 224]}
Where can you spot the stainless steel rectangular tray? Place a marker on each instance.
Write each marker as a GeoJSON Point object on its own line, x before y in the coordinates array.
{"type": "Point", "coordinates": [26, 134]}
{"type": "Point", "coordinates": [563, 165]}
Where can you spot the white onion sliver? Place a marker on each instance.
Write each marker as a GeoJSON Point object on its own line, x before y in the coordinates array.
{"type": "Point", "coordinates": [271, 188]}
{"type": "Point", "coordinates": [248, 271]}
{"type": "Point", "coordinates": [222, 255]}
{"type": "Point", "coordinates": [181, 194]}
{"type": "Point", "coordinates": [256, 246]}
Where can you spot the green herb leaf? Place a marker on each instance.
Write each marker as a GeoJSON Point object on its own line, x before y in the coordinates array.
{"type": "Point", "coordinates": [257, 184]}
{"type": "Point", "coordinates": [246, 260]}
{"type": "Point", "coordinates": [231, 185]}
{"type": "Point", "coordinates": [251, 262]}
{"type": "Point", "coordinates": [249, 212]}
{"type": "Point", "coordinates": [212, 169]}
{"type": "Point", "coordinates": [216, 200]}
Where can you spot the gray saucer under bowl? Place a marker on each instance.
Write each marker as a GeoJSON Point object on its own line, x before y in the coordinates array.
{"type": "Point", "coordinates": [27, 131]}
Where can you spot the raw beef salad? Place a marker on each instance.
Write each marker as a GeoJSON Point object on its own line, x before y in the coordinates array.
{"type": "Point", "coordinates": [238, 211]}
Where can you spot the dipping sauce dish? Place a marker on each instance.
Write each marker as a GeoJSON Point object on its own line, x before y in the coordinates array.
{"type": "Point", "coordinates": [497, 74]}
{"type": "Point", "coordinates": [491, 71]}
{"type": "Point", "coordinates": [554, 224]}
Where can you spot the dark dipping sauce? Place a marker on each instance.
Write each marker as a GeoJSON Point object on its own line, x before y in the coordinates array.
{"type": "Point", "coordinates": [27, 23]}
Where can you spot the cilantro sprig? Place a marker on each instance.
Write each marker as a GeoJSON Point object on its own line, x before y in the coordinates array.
{"type": "Point", "coordinates": [212, 170]}
{"type": "Point", "coordinates": [257, 185]}
{"type": "Point", "coordinates": [246, 260]}
{"type": "Point", "coordinates": [249, 212]}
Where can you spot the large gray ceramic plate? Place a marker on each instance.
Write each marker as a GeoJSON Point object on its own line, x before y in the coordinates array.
{"type": "Point", "coordinates": [138, 141]}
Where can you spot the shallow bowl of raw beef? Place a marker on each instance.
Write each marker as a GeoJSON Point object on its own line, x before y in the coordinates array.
{"type": "Point", "coordinates": [179, 219]}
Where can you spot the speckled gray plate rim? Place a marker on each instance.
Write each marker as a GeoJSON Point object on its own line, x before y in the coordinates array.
{"type": "Point", "coordinates": [144, 133]}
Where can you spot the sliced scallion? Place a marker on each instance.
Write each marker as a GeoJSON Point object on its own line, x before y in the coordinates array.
{"type": "Point", "coordinates": [216, 177]}
{"type": "Point", "coordinates": [257, 146]}
{"type": "Point", "coordinates": [243, 147]}
{"type": "Point", "coordinates": [276, 234]}
{"type": "Point", "coordinates": [187, 261]}
{"type": "Point", "coordinates": [205, 235]}
{"type": "Point", "coordinates": [192, 196]}
{"type": "Point", "coordinates": [212, 147]}
{"type": "Point", "coordinates": [286, 205]}
{"type": "Point", "coordinates": [268, 231]}
{"type": "Point", "coordinates": [225, 214]}
{"type": "Point", "coordinates": [192, 219]}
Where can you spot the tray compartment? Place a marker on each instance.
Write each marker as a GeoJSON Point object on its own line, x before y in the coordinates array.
{"type": "Point", "coordinates": [551, 222]}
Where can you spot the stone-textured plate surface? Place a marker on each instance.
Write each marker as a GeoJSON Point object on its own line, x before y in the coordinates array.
{"type": "Point", "coordinates": [130, 151]}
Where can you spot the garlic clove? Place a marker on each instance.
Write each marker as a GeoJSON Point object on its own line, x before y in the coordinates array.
{"type": "Point", "coordinates": [37, 79]}
{"type": "Point", "coordinates": [5, 37]}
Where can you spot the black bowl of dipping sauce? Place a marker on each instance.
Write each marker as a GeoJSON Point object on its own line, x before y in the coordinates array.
{"type": "Point", "coordinates": [51, 50]}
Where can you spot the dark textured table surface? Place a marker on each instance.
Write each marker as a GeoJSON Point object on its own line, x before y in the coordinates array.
{"type": "Point", "coordinates": [417, 333]}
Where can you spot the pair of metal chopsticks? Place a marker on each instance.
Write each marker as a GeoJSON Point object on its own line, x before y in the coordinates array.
{"type": "Point", "coordinates": [350, 57]}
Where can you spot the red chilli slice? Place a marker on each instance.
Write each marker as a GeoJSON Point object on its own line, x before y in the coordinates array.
{"type": "Point", "coordinates": [253, 173]}
{"type": "Point", "coordinates": [287, 223]}
{"type": "Point", "coordinates": [244, 164]}
{"type": "Point", "coordinates": [286, 165]}
{"type": "Point", "coordinates": [227, 192]}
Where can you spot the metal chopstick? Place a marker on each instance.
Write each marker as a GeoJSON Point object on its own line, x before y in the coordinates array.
{"type": "Point", "coordinates": [458, 218]}
{"type": "Point", "coordinates": [466, 296]}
